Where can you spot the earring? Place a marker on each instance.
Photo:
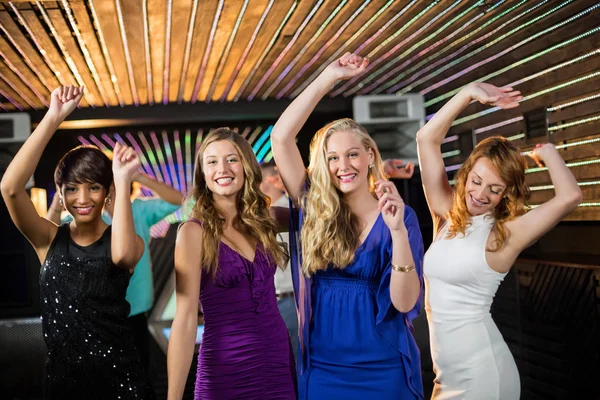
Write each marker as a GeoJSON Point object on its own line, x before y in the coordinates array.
{"type": "Point", "coordinates": [108, 201]}
{"type": "Point", "coordinates": [60, 201]}
{"type": "Point", "coordinates": [370, 166]}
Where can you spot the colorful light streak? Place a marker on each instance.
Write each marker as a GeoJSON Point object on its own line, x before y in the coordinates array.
{"type": "Point", "coordinates": [167, 56]}
{"type": "Point", "coordinates": [529, 97]}
{"type": "Point", "coordinates": [426, 65]}
{"type": "Point", "coordinates": [105, 53]}
{"type": "Point", "coordinates": [87, 94]}
{"type": "Point", "coordinates": [570, 165]}
{"type": "Point", "coordinates": [508, 50]}
{"type": "Point", "coordinates": [326, 46]}
{"type": "Point", "coordinates": [85, 52]}
{"type": "Point", "coordinates": [573, 103]}
{"type": "Point", "coordinates": [225, 53]}
{"type": "Point", "coordinates": [346, 44]}
{"type": "Point", "coordinates": [425, 61]}
{"type": "Point", "coordinates": [379, 60]}
{"type": "Point", "coordinates": [301, 53]}
{"type": "Point", "coordinates": [211, 38]}
{"type": "Point", "coordinates": [187, 52]}
{"type": "Point", "coordinates": [548, 187]}
{"type": "Point", "coordinates": [386, 77]}
{"type": "Point", "coordinates": [242, 59]}
{"type": "Point", "coordinates": [287, 48]}
{"type": "Point", "coordinates": [265, 52]}
{"type": "Point", "coordinates": [530, 58]}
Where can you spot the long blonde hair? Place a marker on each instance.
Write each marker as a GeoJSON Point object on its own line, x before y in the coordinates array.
{"type": "Point", "coordinates": [253, 217]}
{"type": "Point", "coordinates": [510, 165]}
{"type": "Point", "coordinates": [330, 232]}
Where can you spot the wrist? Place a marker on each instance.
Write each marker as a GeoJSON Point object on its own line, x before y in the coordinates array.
{"type": "Point", "coordinates": [399, 234]}
{"type": "Point", "coordinates": [122, 181]}
{"type": "Point", "coordinates": [326, 80]}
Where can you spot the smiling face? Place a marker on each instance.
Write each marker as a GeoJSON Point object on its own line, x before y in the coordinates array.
{"type": "Point", "coordinates": [348, 161]}
{"type": "Point", "coordinates": [484, 188]}
{"type": "Point", "coordinates": [223, 168]}
{"type": "Point", "coordinates": [84, 201]}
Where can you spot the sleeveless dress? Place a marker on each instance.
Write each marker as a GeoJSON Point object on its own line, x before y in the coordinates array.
{"type": "Point", "coordinates": [353, 343]}
{"type": "Point", "coordinates": [91, 352]}
{"type": "Point", "coordinates": [470, 357]}
{"type": "Point", "coordinates": [245, 351]}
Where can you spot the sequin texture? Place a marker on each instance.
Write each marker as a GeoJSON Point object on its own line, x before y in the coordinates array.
{"type": "Point", "coordinates": [91, 352]}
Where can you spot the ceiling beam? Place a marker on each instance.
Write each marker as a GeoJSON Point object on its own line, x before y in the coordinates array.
{"type": "Point", "coordinates": [88, 118]}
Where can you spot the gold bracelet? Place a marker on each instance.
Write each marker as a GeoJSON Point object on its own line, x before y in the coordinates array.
{"type": "Point", "coordinates": [403, 268]}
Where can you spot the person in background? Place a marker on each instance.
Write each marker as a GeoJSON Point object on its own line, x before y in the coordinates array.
{"type": "Point", "coordinates": [146, 212]}
{"type": "Point", "coordinates": [273, 187]}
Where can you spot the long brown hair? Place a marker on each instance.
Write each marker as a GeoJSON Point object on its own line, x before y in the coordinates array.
{"type": "Point", "coordinates": [253, 217]}
{"type": "Point", "coordinates": [510, 165]}
{"type": "Point", "coordinates": [330, 231]}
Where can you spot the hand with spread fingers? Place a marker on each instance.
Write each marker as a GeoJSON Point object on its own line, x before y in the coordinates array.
{"type": "Point", "coordinates": [503, 97]}
{"type": "Point", "coordinates": [391, 205]}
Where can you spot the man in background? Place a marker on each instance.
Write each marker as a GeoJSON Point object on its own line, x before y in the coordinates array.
{"type": "Point", "coordinates": [272, 186]}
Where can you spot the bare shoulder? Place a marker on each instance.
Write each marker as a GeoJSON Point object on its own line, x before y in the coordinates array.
{"type": "Point", "coordinates": [189, 235]}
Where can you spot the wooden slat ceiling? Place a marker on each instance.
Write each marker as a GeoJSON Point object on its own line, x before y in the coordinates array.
{"type": "Point", "coordinates": [132, 52]}
{"type": "Point", "coordinates": [150, 52]}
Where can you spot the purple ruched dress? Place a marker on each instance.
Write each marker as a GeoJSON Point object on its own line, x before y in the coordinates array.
{"type": "Point", "coordinates": [245, 351]}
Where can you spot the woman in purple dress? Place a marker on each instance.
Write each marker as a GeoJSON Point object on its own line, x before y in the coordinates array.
{"type": "Point", "coordinates": [226, 256]}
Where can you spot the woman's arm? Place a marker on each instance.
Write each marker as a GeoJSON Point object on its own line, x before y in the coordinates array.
{"type": "Point", "coordinates": [126, 246]}
{"type": "Point", "coordinates": [39, 231]}
{"type": "Point", "coordinates": [438, 192]}
{"type": "Point", "coordinates": [183, 332]}
{"type": "Point", "coordinates": [405, 287]}
{"type": "Point", "coordinates": [283, 137]}
{"type": "Point", "coordinates": [527, 229]}
{"type": "Point", "coordinates": [162, 190]}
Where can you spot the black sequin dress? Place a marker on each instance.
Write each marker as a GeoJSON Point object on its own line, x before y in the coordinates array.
{"type": "Point", "coordinates": [91, 352]}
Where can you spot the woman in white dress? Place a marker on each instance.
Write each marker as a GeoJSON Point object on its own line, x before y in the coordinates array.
{"type": "Point", "coordinates": [481, 227]}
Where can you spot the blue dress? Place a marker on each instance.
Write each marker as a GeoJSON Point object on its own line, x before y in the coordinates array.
{"type": "Point", "coordinates": [353, 343]}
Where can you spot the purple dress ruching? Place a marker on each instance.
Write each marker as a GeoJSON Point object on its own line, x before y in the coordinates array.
{"type": "Point", "coordinates": [245, 351]}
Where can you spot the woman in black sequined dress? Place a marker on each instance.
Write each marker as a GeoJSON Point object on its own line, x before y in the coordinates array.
{"type": "Point", "coordinates": [86, 264]}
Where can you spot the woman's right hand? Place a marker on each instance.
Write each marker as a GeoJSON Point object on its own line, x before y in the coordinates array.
{"type": "Point", "coordinates": [346, 67]}
{"type": "Point", "coordinates": [64, 100]}
{"type": "Point", "coordinates": [485, 93]}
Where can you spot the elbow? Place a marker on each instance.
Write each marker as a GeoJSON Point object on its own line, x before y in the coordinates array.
{"type": "Point", "coordinates": [7, 189]}
{"type": "Point", "coordinates": [403, 305]}
{"type": "Point", "coordinates": [575, 198]}
{"type": "Point", "coordinates": [123, 260]}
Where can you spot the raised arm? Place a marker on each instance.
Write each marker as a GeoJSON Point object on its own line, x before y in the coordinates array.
{"type": "Point", "coordinates": [187, 288]}
{"type": "Point", "coordinates": [126, 246]}
{"type": "Point", "coordinates": [438, 192]}
{"type": "Point", "coordinates": [162, 190]}
{"type": "Point", "coordinates": [283, 137]}
{"type": "Point", "coordinates": [527, 229]}
{"type": "Point", "coordinates": [39, 231]}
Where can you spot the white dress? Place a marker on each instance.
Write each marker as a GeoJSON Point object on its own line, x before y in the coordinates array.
{"type": "Point", "coordinates": [470, 357]}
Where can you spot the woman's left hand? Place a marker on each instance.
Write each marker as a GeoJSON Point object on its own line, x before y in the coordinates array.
{"type": "Point", "coordinates": [391, 205]}
{"type": "Point", "coordinates": [126, 162]}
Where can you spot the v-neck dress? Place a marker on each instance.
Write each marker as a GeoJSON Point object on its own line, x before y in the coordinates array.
{"type": "Point", "coordinates": [245, 351]}
{"type": "Point", "coordinates": [354, 343]}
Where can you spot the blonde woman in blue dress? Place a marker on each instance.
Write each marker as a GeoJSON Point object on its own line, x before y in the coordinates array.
{"type": "Point", "coordinates": [481, 227]}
